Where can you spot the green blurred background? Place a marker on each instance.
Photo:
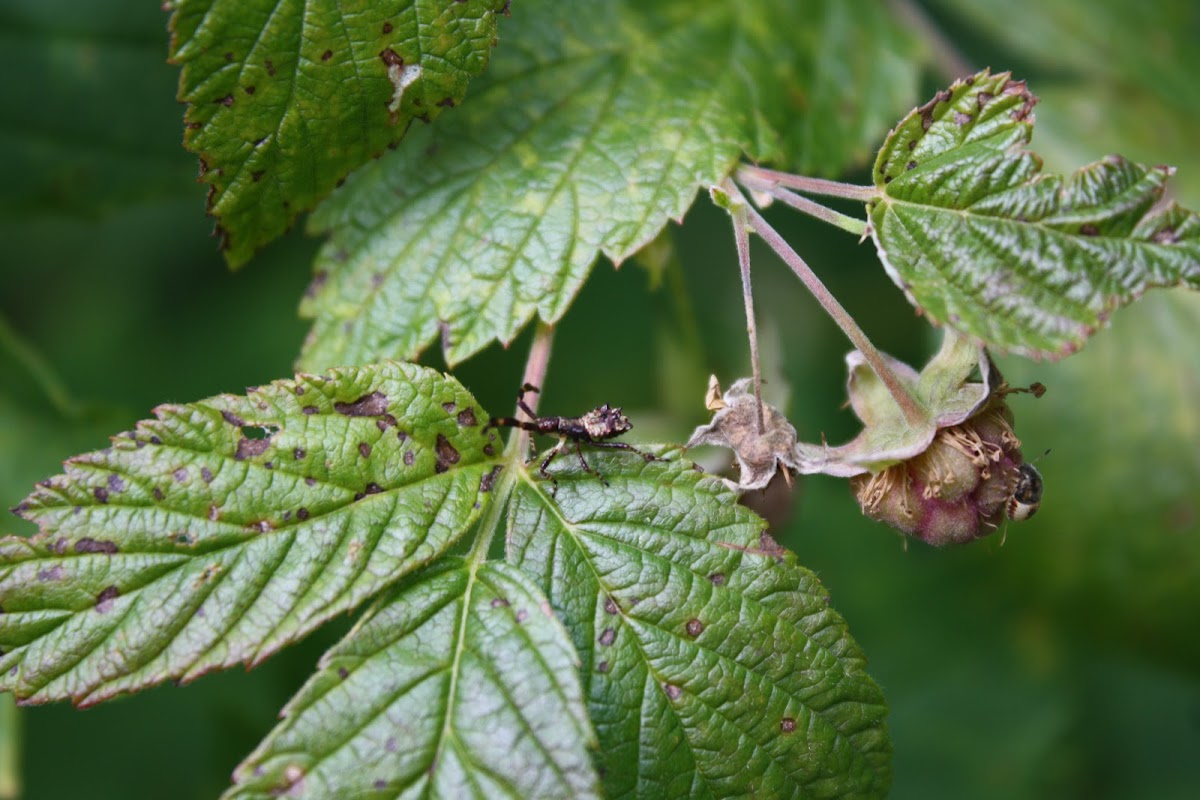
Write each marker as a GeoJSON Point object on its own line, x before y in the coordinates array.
{"type": "Point", "coordinates": [1062, 664]}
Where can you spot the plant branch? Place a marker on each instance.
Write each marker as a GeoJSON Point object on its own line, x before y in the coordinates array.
{"type": "Point", "coordinates": [847, 223]}
{"type": "Point", "coordinates": [908, 404]}
{"type": "Point", "coordinates": [536, 365]}
{"type": "Point", "coordinates": [821, 186]}
{"type": "Point", "coordinates": [741, 237]}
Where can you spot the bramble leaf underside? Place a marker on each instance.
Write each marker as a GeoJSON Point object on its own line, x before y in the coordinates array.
{"type": "Point", "coordinates": [595, 124]}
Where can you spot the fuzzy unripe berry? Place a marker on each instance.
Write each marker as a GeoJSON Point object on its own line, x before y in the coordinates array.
{"type": "Point", "coordinates": [955, 491]}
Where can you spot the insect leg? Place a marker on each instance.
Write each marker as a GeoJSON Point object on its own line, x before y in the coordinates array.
{"type": "Point", "coordinates": [546, 463]}
{"type": "Point", "coordinates": [529, 387]}
{"type": "Point", "coordinates": [583, 463]}
{"type": "Point", "coordinates": [623, 446]}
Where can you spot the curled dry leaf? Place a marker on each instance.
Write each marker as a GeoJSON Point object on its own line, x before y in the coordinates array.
{"type": "Point", "coordinates": [735, 425]}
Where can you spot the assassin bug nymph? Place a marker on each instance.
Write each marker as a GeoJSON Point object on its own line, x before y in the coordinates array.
{"type": "Point", "coordinates": [594, 429]}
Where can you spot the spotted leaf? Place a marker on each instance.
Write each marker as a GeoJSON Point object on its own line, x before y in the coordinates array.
{"type": "Point", "coordinates": [712, 663]}
{"type": "Point", "coordinates": [223, 529]}
{"type": "Point", "coordinates": [286, 98]}
{"type": "Point", "coordinates": [980, 240]}
{"type": "Point", "coordinates": [459, 683]}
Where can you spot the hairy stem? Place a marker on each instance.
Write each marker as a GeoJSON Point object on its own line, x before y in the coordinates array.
{"type": "Point", "coordinates": [908, 404]}
{"type": "Point", "coordinates": [741, 237]}
{"type": "Point", "coordinates": [536, 365]}
{"type": "Point", "coordinates": [850, 191]}
{"type": "Point", "coordinates": [847, 223]}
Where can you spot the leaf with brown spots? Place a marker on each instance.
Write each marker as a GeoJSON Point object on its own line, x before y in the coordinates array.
{"type": "Point", "coordinates": [286, 99]}
{"type": "Point", "coordinates": [594, 126]}
{"type": "Point", "coordinates": [460, 679]}
{"type": "Point", "coordinates": [186, 546]}
{"type": "Point", "coordinates": [980, 240]}
{"type": "Point", "coordinates": [697, 646]}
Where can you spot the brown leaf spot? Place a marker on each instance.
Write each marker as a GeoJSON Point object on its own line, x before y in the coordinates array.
{"type": "Point", "coordinates": [206, 474]}
{"type": "Point", "coordinates": [522, 615]}
{"type": "Point", "coordinates": [1165, 236]}
{"type": "Point", "coordinates": [466, 418]}
{"type": "Point", "coordinates": [158, 493]}
{"type": "Point", "coordinates": [328, 54]}
{"type": "Point", "coordinates": [302, 513]}
{"type": "Point", "coordinates": [343, 673]}
{"type": "Point", "coordinates": [269, 67]}
{"type": "Point", "coordinates": [115, 483]}
{"type": "Point", "coordinates": [695, 627]}
{"type": "Point", "coordinates": [369, 405]}
{"type": "Point", "coordinates": [364, 449]}
{"type": "Point", "coordinates": [1088, 229]}
{"type": "Point", "coordinates": [717, 578]}
{"type": "Point", "coordinates": [298, 453]}
{"type": "Point", "coordinates": [385, 422]}
{"type": "Point", "coordinates": [489, 479]}
{"type": "Point", "coordinates": [310, 481]}
{"type": "Point", "coordinates": [226, 101]}
{"type": "Point", "coordinates": [602, 667]}
{"type": "Point", "coordinates": [960, 119]}
{"type": "Point", "coordinates": [89, 545]}
{"type": "Point", "coordinates": [499, 602]}
{"type": "Point", "coordinates": [608, 636]}
{"type": "Point", "coordinates": [449, 407]}
{"type": "Point", "coordinates": [54, 573]}
{"type": "Point", "coordinates": [610, 605]}
{"type": "Point", "coordinates": [910, 166]}
{"type": "Point", "coordinates": [101, 494]}
{"type": "Point", "coordinates": [309, 410]}
{"type": "Point", "coordinates": [787, 725]}
{"type": "Point", "coordinates": [214, 513]}
{"type": "Point", "coordinates": [250, 448]}
{"type": "Point", "coordinates": [104, 600]}
{"type": "Point", "coordinates": [391, 58]}
{"type": "Point", "coordinates": [233, 419]}
{"type": "Point", "coordinates": [391, 745]}
{"type": "Point", "coordinates": [409, 458]}
{"type": "Point", "coordinates": [673, 691]}
{"type": "Point", "coordinates": [387, 27]}
{"type": "Point", "coordinates": [447, 456]}
{"type": "Point", "coordinates": [316, 284]}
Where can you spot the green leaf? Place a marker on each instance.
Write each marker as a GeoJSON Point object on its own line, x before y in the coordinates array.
{"type": "Point", "coordinates": [224, 529]}
{"type": "Point", "coordinates": [460, 683]}
{"type": "Point", "coordinates": [594, 126]}
{"type": "Point", "coordinates": [712, 664]}
{"type": "Point", "coordinates": [943, 390]}
{"type": "Point", "coordinates": [285, 99]}
{"type": "Point", "coordinates": [980, 240]}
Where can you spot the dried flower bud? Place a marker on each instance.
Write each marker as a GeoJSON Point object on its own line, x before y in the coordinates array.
{"type": "Point", "coordinates": [956, 490]}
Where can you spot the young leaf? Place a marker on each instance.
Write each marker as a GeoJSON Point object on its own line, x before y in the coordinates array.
{"type": "Point", "coordinates": [1031, 263]}
{"type": "Point", "coordinates": [712, 664]}
{"type": "Point", "coordinates": [595, 124]}
{"type": "Point", "coordinates": [224, 529]}
{"type": "Point", "coordinates": [285, 99]}
{"type": "Point", "coordinates": [460, 683]}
